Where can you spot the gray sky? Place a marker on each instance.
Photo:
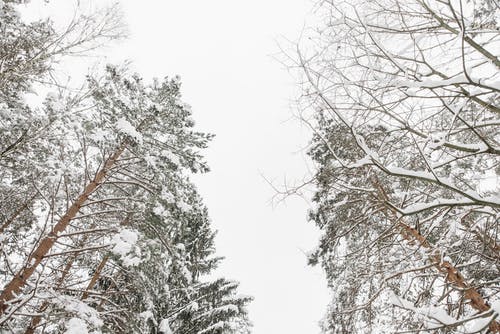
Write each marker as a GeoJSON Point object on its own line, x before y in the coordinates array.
{"type": "Point", "coordinates": [221, 49]}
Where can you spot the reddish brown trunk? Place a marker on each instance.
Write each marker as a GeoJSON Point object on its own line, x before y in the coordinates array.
{"type": "Point", "coordinates": [36, 320]}
{"type": "Point", "coordinates": [452, 274]}
{"type": "Point", "coordinates": [15, 286]}
{"type": "Point", "coordinates": [95, 277]}
{"type": "Point", "coordinates": [488, 242]}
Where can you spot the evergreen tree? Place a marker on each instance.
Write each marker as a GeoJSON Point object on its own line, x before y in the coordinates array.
{"type": "Point", "coordinates": [102, 230]}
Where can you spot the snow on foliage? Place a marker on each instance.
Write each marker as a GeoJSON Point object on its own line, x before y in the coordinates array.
{"type": "Point", "coordinates": [76, 326]}
{"type": "Point", "coordinates": [164, 327]}
{"type": "Point", "coordinates": [85, 313]}
{"type": "Point", "coordinates": [125, 246]}
{"type": "Point", "coordinates": [95, 192]}
{"type": "Point", "coordinates": [402, 98]}
{"type": "Point", "coordinates": [123, 126]}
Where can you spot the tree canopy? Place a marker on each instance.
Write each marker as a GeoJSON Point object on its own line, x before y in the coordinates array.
{"type": "Point", "coordinates": [101, 228]}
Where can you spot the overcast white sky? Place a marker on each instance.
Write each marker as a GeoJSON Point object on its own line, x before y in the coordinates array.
{"type": "Point", "coordinates": [221, 49]}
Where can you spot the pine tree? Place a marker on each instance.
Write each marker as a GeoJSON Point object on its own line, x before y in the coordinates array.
{"type": "Point", "coordinates": [102, 230]}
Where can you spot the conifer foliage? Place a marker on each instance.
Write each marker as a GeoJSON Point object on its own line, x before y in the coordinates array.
{"type": "Point", "coordinates": [101, 229]}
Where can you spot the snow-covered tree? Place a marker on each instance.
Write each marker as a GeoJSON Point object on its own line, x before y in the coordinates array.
{"type": "Point", "coordinates": [406, 125]}
{"type": "Point", "coordinates": [101, 229]}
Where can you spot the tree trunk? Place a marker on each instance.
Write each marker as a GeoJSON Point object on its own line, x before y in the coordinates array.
{"type": "Point", "coordinates": [15, 286]}
{"type": "Point", "coordinates": [452, 274]}
{"type": "Point", "coordinates": [95, 277]}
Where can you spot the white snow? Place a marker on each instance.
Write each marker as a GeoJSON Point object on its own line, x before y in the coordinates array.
{"type": "Point", "coordinates": [174, 158]}
{"type": "Point", "coordinates": [124, 242]}
{"type": "Point", "coordinates": [436, 141]}
{"type": "Point", "coordinates": [180, 247]}
{"type": "Point", "coordinates": [146, 315]}
{"type": "Point", "coordinates": [218, 325]}
{"type": "Point", "coordinates": [167, 196]}
{"type": "Point", "coordinates": [164, 327]}
{"type": "Point", "coordinates": [184, 206]}
{"type": "Point", "coordinates": [76, 326]}
{"type": "Point", "coordinates": [99, 135]}
{"type": "Point", "coordinates": [432, 312]}
{"type": "Point", "coordinates": [495, 305]}
{"type": "Point", "coordinates": [150, 160]}
{"type": "Point", "coordinates": [84, 316]}
{"type": "Point", "coordinates": [429, 83]}
{"type": "Point", "coordinates": [476, 325]}
{"type": "Point", "coordinates": [488, 183]}
{"type": "Point", "coordinates": [492, 83]}
{"type": "Point", "coordinates": [159, 210]}
{"type": "Point", "coordinates": [124, 126]}
{"type": "Point", "coordinates": [361, 162]}
{"type": "Point", "coordinates": [125, 246]}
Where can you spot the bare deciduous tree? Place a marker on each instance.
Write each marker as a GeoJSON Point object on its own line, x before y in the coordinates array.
{"type": "Point", "coordinates": [405, 115]}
